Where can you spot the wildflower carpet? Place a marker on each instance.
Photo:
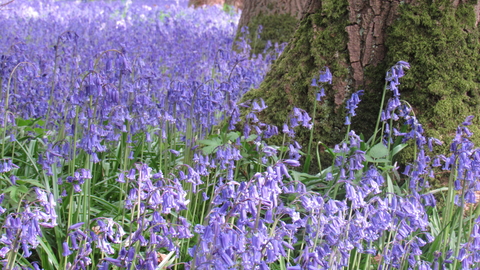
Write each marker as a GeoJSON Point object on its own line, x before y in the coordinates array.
{"type": "Point", "coordinates": [121, 149]}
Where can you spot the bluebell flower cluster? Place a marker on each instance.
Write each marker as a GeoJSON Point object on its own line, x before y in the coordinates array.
{"type": "Point", "coordinates": [352, 105]}
{"type": "Point", "coordinates": [7, 165]}
{"type": "Point", "coordinates": [237, 231]}
{"type": "Point", "coordinates": [22, 228]}
{"type": "Point", "coordinates": [325, 77]}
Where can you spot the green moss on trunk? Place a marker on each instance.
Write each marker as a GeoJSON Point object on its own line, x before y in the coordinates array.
{"type": "Point", "coordinates": [442, 45]}
{"type": "Point", "coordinates": [275, 28]}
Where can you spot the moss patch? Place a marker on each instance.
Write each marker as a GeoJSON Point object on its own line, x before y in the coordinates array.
{"type": "Point", "coordinates": [442, 45]}
{"type": "Point", "coordinates": [275, 28]}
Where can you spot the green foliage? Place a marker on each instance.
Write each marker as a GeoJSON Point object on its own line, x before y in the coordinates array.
{"type": "Point", "coordinates": [214, 141]}
{"type": "Point", "coordinates": [32, 125]}
{"type": "Point", "coordinates": [229, 9]}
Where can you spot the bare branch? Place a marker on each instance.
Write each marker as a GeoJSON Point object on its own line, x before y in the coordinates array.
{"type": "Point", "coordinates": [6, 3]}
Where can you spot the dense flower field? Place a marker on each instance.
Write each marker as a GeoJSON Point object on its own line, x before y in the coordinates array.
{"type": "Point", "coordinates": [121, 149]}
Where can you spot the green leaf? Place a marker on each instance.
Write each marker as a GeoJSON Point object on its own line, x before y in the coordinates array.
{"type": "Point", "coordinates": [105, 204]}
{"type": "Point", "coordinates": [378, 151]}
{"type": "Point", "coordinates": [252, 137]}
{"type": "Point", "coordinates": [211, 145]}
{"type": "Point", "coordinates": [380, 160]}
{"type": "Point", "coordinates": [232, 136]}
{"type": "Point", "coordinates": [22, 189]}
{"type": "Point", "coordinates": [39, 131]}
{"type": "Point", "coordinates": [22, 122]}
{"type": "Point", "coordinates": [390, 188]}
{"type": "Point", "coordinates": [301, 176]}
{"type": "Point", "coordinates": [398, 148]}
{"type": "Point", "coordinates": [212, 141]}
{"type": "Point", "coordinates": [329, 150]}
{"type": "Point", "coordinates": [28, 122]}
{"type": "Point", "coordinates": [167, 261]}
{"type": "Point", "coordinates": [51, 256]}
{"type": "Point", "coordinates": [32, 182]}
{"type": "Point", "coordinates": [207, 150]}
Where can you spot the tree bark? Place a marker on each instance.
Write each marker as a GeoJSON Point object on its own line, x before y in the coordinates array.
{"type": "Point", "coordinates": [359, 40]}
{"type": "Point", "coordinates": [238, 4]}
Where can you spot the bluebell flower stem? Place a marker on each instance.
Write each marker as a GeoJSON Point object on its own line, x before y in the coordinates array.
{"type": "Point", "coordinates": [389, 142]}
{"type": "Point", "coordinates": [355, 264]}
{"type": "Point", "coordinates": [379, 114]}
{"type": "Point", "coordinates": [283, 153]}
{"type": "Point", "coordinates": [448, 213]}
{"type": "Point", "coordinates": [187, 155]}
{"type": "Point", "coordinates": [72, 166]}
{"type": "Point", "coordinates": [385, 244]}
{"type": "Point", "coordinates": [460, 238]}
{"type": "Point", "coordinates": [69, 223]}
{"type": "Point", "coordinates": [12, 254]}
{"type": "Point", "coordinates": [125, 163]}
{"type": "Point", "coordinates": [318, 156]}
{"type": "Point", "coordinates": [310, 140]}
{"type": "Point", "coordinates": [257, 219]}
{"type": "Point", "coordinates": [366, 264]}
{"type": "Point", "coordinates": [86, 193]}
{"type": "Point", "coordinates": [57, 230]}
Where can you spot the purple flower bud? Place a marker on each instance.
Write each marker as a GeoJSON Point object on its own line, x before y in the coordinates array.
{"type": "Point", "coordinates": [175, 152]}
{"type": "Point", "coordinates": [468, 120]}
{"type": "Point", "coordinates": [292, 162]}
{"type": "Point", "coordinates": [115, 262]}
{"type": "Point", "coordinates": [13, 179]}
{"type": "Point", "coordinates": [76, 226]}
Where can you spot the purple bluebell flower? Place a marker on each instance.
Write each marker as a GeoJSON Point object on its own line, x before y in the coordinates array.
{"type": "Point", "coordinates": [320, 94]}
{"type": "Point", "coordinates": [66, 249]}
{"type": "Point", "coordinates": [325, 76]}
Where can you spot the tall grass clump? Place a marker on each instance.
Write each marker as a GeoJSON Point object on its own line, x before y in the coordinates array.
{"type": "Point", "coordinates": [123, 147]}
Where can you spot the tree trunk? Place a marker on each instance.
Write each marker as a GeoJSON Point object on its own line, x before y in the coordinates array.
{"type": "Point", "coordinates": [238, 4]}
{"type": "Point", "coordinates": [359, 40]}
{"type": "Point", "coordinates": [199, 3]}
